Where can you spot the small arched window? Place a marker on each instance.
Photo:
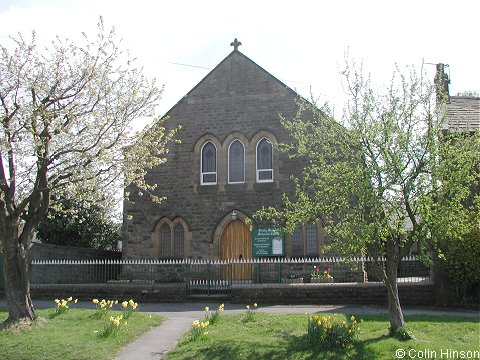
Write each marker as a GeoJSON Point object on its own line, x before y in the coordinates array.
{"type": "Point", "coordinates": [178, 237]}
{"type": "Point", "coordinates": [236, 162]}
{"type": "Point", "coordinates": [208, 164]}
{"type": "Point", "coordinates": [264, 161]}
{"type": "Point", "coordinates": [165, 241]}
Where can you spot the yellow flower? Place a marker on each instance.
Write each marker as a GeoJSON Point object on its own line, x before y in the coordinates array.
{"type": "Point", "coordinates": [116, 302]}
{"type": "Point", "coordinates": [207, 308]}
{"type": "Point", "coordinates": [95, 301]}
{"type": "Point", "coordinates": [124, 304]}
{"type": "Point", "coordinates": [248, 307]}
{"type": "Point", "coordinates": [57, 301]}
{"type": "Point", "coordinates": [75, 301]}
{"type": "Point", "coordinates": [70, 299]}
{"type": "Point", "coordinates": [131, 302]}
{"type": "Point", "coordinates": [255, 305]}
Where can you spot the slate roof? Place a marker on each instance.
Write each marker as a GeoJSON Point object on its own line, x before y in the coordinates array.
{"type": "Point", "coordinates": [463, 113]}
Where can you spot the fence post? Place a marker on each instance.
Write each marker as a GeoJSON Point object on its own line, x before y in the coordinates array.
{"type": "Point", "coordinates": [279, 273]}
{"type": "Point", "coordinates": [209, 276]}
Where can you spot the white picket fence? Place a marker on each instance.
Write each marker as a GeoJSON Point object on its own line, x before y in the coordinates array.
{"type": "Point", "coordinates": [318, 260]}
{"type": "Point", "coordinates": [209, 276]}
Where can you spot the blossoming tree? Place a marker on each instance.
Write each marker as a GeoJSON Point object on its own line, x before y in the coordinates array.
{"type": "Point", "coordinates": [65, 116]}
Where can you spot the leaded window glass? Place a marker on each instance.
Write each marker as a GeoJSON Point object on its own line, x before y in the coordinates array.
{"type": "Point", "coordinates": [236, 162]}
{"type": "Point", "coordinates": [297, 243]}
{"type": "Point", "coordinates": [311, 239]}
{"type": "Point", "coordinates": [264, 161]}
{"type": "Point", "coordinates": [209, 164]}
{"type": "Point", "coordinates": [165, 241]}
{"type": "Point", "coordinates": [178, 237]}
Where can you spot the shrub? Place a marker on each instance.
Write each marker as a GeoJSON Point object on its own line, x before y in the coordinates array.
{"type": "Point", "coordinates": [460, 262]}
{"type": "Point", "coordinates": [328, 333]}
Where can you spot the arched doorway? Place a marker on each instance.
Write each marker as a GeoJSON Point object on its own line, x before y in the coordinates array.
{"type": "Point", "coordinates": [236, 243]}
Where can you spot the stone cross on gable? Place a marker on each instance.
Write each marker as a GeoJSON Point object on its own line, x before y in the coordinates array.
{"type": "Point", "coordinates": [235, 44]}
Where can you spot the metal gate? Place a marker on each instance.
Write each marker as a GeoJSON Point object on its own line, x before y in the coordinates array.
{"type": "Point", "coordinates": [209, 278]}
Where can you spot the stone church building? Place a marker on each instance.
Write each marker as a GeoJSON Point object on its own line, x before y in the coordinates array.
{"type": "Point", "coordinates": [226, 168]}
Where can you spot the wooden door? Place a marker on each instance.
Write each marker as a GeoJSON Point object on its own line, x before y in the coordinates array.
{"type": "Point", "coordinates": [236, 243]}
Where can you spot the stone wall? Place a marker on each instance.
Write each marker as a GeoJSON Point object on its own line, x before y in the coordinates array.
{"type": "Point", "coordinates": [315, 294]}
{"type": "Point", "coordinates": [357, 294]}
{"type": "Point", "coordinates": [166, 293]}
{"type": "Point", "coordinates": [237, 100]}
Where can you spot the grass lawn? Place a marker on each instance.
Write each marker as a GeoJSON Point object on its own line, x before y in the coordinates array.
{"type": "Point", "coordinates": [71, 335]}
{"type": "Point", "coordinates": [273, 336]}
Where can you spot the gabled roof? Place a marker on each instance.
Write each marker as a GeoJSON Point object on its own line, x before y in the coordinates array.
{"type": "Point", "coordinates": [463, 113]}
{"type": "Point", "coordinates": [234, 53]}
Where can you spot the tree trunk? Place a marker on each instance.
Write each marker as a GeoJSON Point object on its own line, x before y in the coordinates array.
{"type": "Point", "coordinates": [390, 276]}
{"type": "Point", "coordinates": [17, 282]}
{"type": "Point", "coordinates": [395, 313]}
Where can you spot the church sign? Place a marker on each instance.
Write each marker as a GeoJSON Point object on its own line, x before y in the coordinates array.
{"type": "Point", "coordinates": [267, 241]}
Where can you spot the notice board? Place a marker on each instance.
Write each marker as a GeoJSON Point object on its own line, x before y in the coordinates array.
{"type": "Point", "coordinates": [268, 241]}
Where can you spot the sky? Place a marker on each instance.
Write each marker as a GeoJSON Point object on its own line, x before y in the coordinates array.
{"type": "Point", "coordinates": [302, 43]}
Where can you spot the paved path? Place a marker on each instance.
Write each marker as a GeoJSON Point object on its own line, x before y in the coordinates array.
{"type": "Point", "coordinates": [179, 317]}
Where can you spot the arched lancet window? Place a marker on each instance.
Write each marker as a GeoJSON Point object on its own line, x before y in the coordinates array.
{"type": "Point", "coordinates": [236, 162]}
{"type": "Point", "coordinates": [208, 164]}
{"type": "Point", "coordinates": [311, 233]}
{"type": "Point", "coordinates": [264, 161]}
{"type": "Point", "coordinates": [165, 241]}
{"type": "Point", "coordinates": [178, 238]}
